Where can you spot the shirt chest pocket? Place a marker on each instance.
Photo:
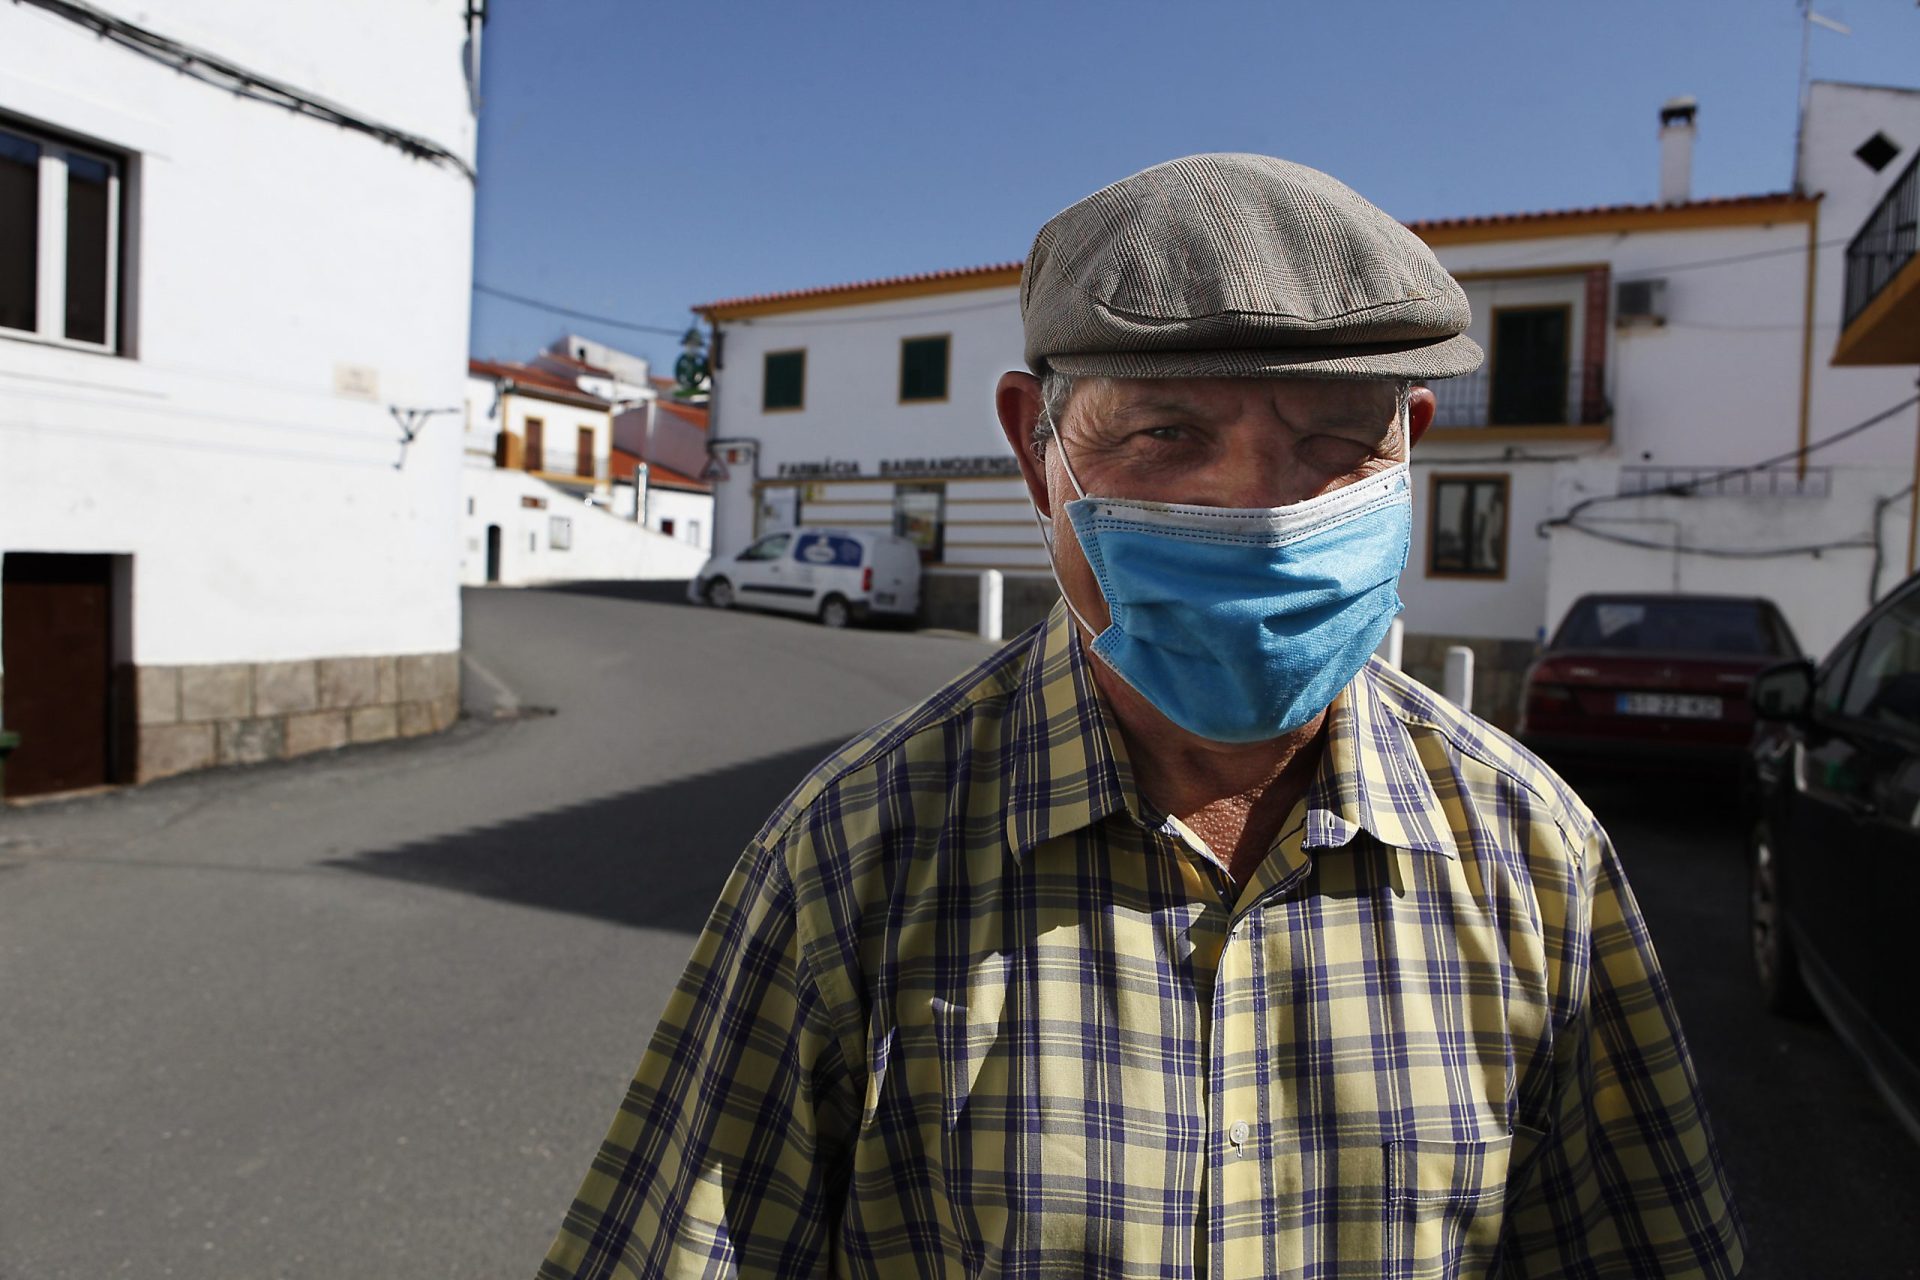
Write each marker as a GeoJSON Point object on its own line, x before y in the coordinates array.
{"type": "Point", "coordinates": [1445, 1202]}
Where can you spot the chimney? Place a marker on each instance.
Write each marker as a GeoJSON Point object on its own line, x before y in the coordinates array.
{"type": "Point", "coordinates": [1676, 150]}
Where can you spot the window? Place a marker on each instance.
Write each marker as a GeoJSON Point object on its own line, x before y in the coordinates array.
{"type": "Point", "coordinates": [1677, 624]}
{"type": "Point", "coordinates": [1529, 365]}
{"type": "Point", "coordinates": [693, 532]}
{"type": "Point", "coordinates": [785, 386]}
{"type": "Point", "coordinates": [1885, 684]}
{"type": "Point", "coordinates": [771, 547]}
{"type": "Point", "coordinates": [923, 368]}
{"type": "Point", "coordinates": [920, 516]}
{"type": "Point", "coordinates": [666, 528]}
{"type": "Point", "coordinates": [583, 453]}
{"type": "Point", "coordinates": [536, 459]}
{"type": "Point", "coordinates": [1467, 533]}
{"type": "Point", "coordinates": [560, 533]}
{"type": "Point", "coordinates": [59, 241]}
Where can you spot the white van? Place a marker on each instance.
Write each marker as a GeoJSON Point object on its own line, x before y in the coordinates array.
{"type": "Point", "coordinates": [837, 575]}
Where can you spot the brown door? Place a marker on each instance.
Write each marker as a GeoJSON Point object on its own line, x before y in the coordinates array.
{"type": "Point", "coordinates": [536, 459]}
{"type": "Point", "coordinates": [58, 661]}
{"type": "Point", "coordinates": [583, 454]}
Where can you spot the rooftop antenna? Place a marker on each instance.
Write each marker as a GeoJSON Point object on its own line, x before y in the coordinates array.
{"type": "Point", "coordinates": [1808, 21]}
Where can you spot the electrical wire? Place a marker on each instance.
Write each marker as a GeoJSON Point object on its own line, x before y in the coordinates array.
{"type": "Point", "coordinates": [557, 309]}
{"type": "Point", "coordinates": [210, 68]}
{"type": "Point", "coordinates": [1686, 487]}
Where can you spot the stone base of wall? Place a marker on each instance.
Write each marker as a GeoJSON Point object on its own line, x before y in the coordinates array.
{"type": "Point", "coordinates": [952, 601]}
{"type": "Point", "coordinates": [1499, 668]}
{"type": "Point", "coordinates": [195, 717]}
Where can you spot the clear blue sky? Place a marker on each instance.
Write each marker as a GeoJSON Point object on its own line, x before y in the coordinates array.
{"type": "Point", "coordinates": [636, 160]}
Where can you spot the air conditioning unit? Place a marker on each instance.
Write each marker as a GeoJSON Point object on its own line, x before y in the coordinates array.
{"type": "Point", "coordinates": [1640, 303]}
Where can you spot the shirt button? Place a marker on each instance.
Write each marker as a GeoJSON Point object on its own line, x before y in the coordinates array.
{"type": "Point", "coordinates": [1238, 1134]}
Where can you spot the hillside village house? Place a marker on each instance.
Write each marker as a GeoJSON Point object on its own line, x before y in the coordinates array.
{"type": "Point", "coordinates": [235, 262]}
{"type": "Point", "coordinates": [1630, 349]}
{"type": "Point", "coordinates": [557, 484]}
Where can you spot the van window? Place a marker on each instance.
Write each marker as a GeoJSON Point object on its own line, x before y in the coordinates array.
{"type": "Point", "coordinates": [827, 549]}
{"type": "Point", "coordinates": [768, 548]}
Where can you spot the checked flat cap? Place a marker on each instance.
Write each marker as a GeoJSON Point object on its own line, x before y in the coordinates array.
{"type": "Point", "coordinates": [1238, 266]}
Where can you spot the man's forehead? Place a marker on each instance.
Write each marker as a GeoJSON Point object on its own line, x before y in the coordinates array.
{"type": "Point", "coordinates": [1325, 401]}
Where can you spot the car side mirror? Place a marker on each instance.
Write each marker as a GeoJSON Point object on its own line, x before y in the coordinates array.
{"type": "Point", "coordinates": [1784, 692]}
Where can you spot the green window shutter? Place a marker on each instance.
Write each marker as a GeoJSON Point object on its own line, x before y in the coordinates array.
{"type": "Point", "coordinates": [923, 368]}
{"type": "Point", "coordinates": [785, 386]}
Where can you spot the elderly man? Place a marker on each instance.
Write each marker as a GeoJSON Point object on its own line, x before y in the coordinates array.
{"type": "Point", "coordinates": [1180, 939]}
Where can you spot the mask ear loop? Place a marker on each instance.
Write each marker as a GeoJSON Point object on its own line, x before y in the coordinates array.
{"type": "Point", "coordinates": [1046, 536]}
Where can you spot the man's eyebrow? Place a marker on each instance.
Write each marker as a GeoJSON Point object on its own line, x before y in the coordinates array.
{"type": "Point", "coordinates": [1157, 405]}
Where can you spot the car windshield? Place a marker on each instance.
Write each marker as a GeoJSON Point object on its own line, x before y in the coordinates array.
{"type": "Point", "coordinates": [1678, 625]}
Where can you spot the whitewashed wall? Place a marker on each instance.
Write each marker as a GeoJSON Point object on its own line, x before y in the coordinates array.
{"type": "Point", "coordinates": [603, 545]}
{"type": "Point", "coordinates": [263, 508]}
{"type": "Point", "coordinates": [853, 414]}
{"type": "Point", "coordinates": [691, 514]}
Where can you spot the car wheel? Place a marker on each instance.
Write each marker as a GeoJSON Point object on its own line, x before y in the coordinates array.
{"type": "Point", "coordinates": [720, 593]}
{"type": "Point", "coordinates": [834, 612]}
{"type": "Point", "coordinates": [1774, 963]}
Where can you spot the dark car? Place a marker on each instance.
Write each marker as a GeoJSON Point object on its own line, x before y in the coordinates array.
{"type": "Point", "coordinates": [1639, 677]}
{"type": "Point", "coordinates": [1834, 853]}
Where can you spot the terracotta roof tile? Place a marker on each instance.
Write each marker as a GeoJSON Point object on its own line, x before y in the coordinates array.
{"type": "Point", "coordinates": [924, 277]}
{"type": "Point", "coordinates": [957, 277]}
{"type": "Point", "coordinates": [534, 380]}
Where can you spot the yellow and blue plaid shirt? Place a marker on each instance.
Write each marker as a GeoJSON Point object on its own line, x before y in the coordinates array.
{"type": "Point", "coordinates": [969, 1007]}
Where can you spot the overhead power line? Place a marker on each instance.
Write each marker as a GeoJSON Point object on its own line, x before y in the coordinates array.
{"type": "Point", "coordinates": [210, 68]}
{"type": "Point", "coordinates": [540, 304]}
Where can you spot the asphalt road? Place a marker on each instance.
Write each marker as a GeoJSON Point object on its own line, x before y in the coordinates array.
{"type": "Point", "coordinates": [370, 1015]}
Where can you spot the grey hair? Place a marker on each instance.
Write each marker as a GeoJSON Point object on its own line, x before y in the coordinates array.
{"type": "Point", "coordinates": [1056, 389]}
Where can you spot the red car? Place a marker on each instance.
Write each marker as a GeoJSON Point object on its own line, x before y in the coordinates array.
{"type": "Point", "coordinates": [1634, 677]}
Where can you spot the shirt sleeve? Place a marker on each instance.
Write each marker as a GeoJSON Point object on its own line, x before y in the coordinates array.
{"type": "Point", "coordinates": [727, 1156]}
{"type": "Point", "coordinates": [1626, 1181]}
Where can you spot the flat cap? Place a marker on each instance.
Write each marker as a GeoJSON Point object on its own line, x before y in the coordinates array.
{"type": "Point", "coordinates": [1238, 266]}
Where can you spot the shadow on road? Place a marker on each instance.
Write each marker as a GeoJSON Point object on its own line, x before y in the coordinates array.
{"type": "Point", "coordinates": [656, 857]}
{"type": "Point", "coordinates": [665, 591]}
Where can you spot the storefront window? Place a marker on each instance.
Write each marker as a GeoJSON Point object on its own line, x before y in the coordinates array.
{"type": "Point", "coordinates": [920, 516]}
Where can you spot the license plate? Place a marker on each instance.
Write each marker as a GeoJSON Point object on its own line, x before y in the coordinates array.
{"type": "Point", "coordinates": [883, 597]}
{"type": "Point", "coordinates": [1683, 706]}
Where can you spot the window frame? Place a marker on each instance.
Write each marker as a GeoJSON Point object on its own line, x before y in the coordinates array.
{"type": "Point", "coordinates": [1470, 478]}
{"type": "Point", "coordinates": [766, 383]}
{"type": "Point", "coordinates": [1567, 412]}
{"type": "Point", "coordinates": [50, 250]}
{"type": "Point", "coordinates": [946, 369]}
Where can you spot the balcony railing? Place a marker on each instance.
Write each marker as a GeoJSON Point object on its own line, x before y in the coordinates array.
{"type": "Point", "coordinates": [1724, 482]}
{"type": "Point", "coordinates": [1490, 397]}
{"type": "Point", "coordinates": [1885, 242]}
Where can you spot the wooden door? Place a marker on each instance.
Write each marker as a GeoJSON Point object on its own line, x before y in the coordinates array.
{"type": "Point", "coordinates": [583, 453]}
{"type": "Point", "coordinates": [58, 660]}
{"type": "Point", "coordinates": [536, 459]}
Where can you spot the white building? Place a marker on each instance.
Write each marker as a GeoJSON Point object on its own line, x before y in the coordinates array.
{"type": "Point", "coordinates": [545, 495]}
{"type": "Point", "coordinates": [1630, 348]}
{"type": "Point", "coordinates": [234, 278]}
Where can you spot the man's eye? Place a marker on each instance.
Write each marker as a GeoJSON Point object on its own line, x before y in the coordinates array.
{"type": "Point", "coordinates": [1165, 434]}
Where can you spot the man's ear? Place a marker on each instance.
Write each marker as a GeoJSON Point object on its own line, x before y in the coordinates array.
{"type": "Point", "coordinates": [1017, 400]}
{"type": "Point", "coordinates": [1421, 405]}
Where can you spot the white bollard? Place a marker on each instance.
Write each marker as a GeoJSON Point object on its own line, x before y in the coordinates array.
{"type": "Point", "coordinates": [1457, 684]}
{"type": "Point", "coordinates": [992, 593]}
{"type": "Point", "coordinates": [1392, 644]}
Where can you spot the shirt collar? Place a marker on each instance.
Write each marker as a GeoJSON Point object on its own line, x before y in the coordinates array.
{"type": "Point", "coordinates": [1372, 779]}
{"type": "Point", "coordinates": [1069, 770]}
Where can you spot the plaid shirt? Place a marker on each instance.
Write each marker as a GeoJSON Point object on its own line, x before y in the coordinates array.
{"type": "Point", "coordinates": [970, 1007]}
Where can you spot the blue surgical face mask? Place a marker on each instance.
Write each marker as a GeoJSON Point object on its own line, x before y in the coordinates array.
{"type": "Point", "coordinates": [1243, 624]}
